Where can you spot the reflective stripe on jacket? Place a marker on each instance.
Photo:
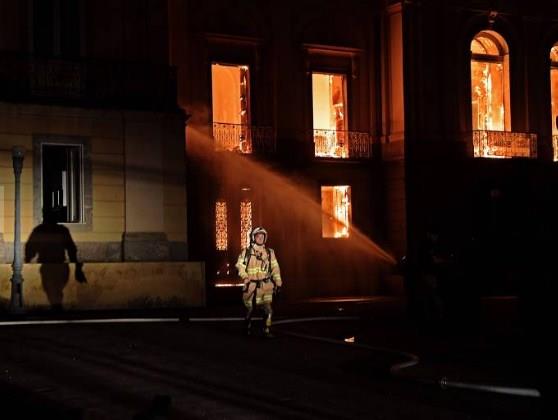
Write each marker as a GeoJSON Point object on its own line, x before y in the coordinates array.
{"type": "Point", "coordinates": [258, 267]}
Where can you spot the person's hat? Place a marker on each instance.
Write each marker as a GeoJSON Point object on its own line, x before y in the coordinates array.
{"type": "Point", "coordinates": [257, 230]}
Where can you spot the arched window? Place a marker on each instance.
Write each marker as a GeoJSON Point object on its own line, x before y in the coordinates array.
{"type": "Point", "coordinates": [490, 93]}
{"type": "Point", "coordinates": [554, 97]}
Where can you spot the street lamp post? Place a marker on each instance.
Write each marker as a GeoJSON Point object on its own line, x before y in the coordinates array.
{"type": "Point", "coordinates": [16, 303]}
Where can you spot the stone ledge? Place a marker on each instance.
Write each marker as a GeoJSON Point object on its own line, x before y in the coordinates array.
{"type": "Point", "coordinates": [145, 246]}
{"type": "Point", "coordinates": [112, 251]}
{"type": "Point", "coordinates": [125, 285]}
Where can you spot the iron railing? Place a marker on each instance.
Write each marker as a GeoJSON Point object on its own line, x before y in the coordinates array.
{"type": "Point", "coordinates": [504, 144]}
{"type": "Point", "coordinates": [555, 147]}
{"type": "Point", "coordinates": [339, 144]}
{"type": "Point", "coordinates": [244, 138]}
{"type": "Point", "coordinates": [87, 82]}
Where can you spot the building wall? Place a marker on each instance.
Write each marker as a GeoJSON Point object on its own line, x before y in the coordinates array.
{"type": "Point", "coordinates": [391, 127]}
{"type": "Point", "coordinates": [498, 202]}
{"type": "Point", "coordinates": [110, 29]}
{"type": "Point", "coordinates": [116, 96]}
{"type": "Point", "coordinates": [124, 285]}
{"type": "Point", "coordinates": [137, 158]}
{"type": "Point", "coordinates": [127, 29]}
{"type": "Point", "coordinates": [410, 87]}
{"type": "Point", "coordinates": [138, 178]}
{"type": "Point", "coordinates": [283, 43]}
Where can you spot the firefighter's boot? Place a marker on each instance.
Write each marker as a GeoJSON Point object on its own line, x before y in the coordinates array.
{"type": "Point", "coordinates": [267, 327]}
{"type": "Point", "coordinates": [248, 326]}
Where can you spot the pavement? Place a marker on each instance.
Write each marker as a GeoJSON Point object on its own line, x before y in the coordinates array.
{"type": "Point", "coordinates": [494, 350]}
{"type": "Point", "coordinates": [343, 349]}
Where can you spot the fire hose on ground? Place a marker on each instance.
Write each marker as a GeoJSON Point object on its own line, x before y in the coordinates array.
{"type": "Point", "coordinates": [413, 360]}
{"type": "Point", "coordinates": [410, 359]}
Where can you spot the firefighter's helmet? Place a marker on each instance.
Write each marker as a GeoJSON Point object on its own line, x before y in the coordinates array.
{"type": "Point", "coordinates": [255, 231]}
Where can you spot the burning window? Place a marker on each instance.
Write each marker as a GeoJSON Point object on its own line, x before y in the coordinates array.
{"type": "Point", "coordinates": [490, 97]}
{"type": "Point", "coordinates": [554, 97]}
{"type": "Point", "coordinates": [336, 211]}
{"type": "Point", "coordinates": [329, 106]}
{"type": "Point", "coordinates": [221, 235]}
{"type": "Point", "coordinates": [245, 222]}
{"type": "Point", "coordinates": [230, 94]}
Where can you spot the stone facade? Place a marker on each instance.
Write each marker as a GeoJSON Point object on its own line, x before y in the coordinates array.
{"type": "Point", "coordinates": [112, 96]}
{"type": "Point", "coordinates": [112, 286]}
{"type": "Point", "coordinates": [409, 68]}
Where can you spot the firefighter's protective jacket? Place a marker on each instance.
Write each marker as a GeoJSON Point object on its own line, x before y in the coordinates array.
{"type": "Point", "coordinates": [259, 269]}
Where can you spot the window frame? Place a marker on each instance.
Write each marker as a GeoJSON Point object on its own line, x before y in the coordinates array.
{"type": "Point", "coordinates": [503, 58]}
{"type": "Point", "coordinates": [348, 118]}
{"type": "Point", "coordinates": [553, 66]}
{"type": "Point", "coordinates": [243, 128]}
{"type": "Point", "coordinates": [250, 87]}
{"type": "Point", "coordinates": [86, 196]}
{"type": "Point", "coordinates": [57, 30]}
{"type": "Point", "coordinates": [347, 111]}
{"type": "Point", "coordinates": [350, 214]}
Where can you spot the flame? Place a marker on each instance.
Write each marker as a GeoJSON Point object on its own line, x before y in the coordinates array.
{"type": "Point", "coordinates": [336, 207]}
{"type": "Point", "coordinates": [230, 97]}
{"type": "Point", "coordinates": [245, 223]}
{"type": "Point", "coordinates": [288, 196]}
{"type": "Point", "coordinates": [554, 97]}
{"type": "Point", "coordinates": [221, 236]}
{"type": "Point", "coordinates": [489, 91]}
{"type": "Point", "coordinates": [329, 110]}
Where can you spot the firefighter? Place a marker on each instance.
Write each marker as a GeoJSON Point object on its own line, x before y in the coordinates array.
{"type": "Point", "coordinates": [259, 269]}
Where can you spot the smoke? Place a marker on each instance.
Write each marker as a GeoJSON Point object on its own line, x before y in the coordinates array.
{"type": "Point", "coordinates": [291, 212]}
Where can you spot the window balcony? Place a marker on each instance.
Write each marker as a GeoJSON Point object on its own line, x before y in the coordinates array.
{"type": "Point", "coordinates": [245, 139]}
{"type": "Point", "coordinates": [85, 82]}
{"type": "Point", "coordinates": [339, 144]}
{"type": "Point", "coordinates": [504, 144]}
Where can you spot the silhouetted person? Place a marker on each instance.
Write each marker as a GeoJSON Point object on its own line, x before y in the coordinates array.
{"type": "Point", "coordinates": [49, 242]}
{"type": "Point", "coordinates": [464, 299]}
{"type": "Point", "coordinates": [434, 261]}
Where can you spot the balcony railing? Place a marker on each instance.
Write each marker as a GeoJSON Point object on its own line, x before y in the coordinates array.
{"type": "Point", "coordinates": [243, 138]}
{"type": "Point", "coordinates": [555, 147]}
{"type": "Point", "coordinates": [504, 144]}
{"type": "Point", "coordinates": [339, 144]}
{"type": "Point", "coordinates": [86, 82]}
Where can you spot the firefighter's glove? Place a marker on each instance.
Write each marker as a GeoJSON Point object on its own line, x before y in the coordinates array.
{"type": "Point", "coordinates": [79, 274]}
{"type": "Point", "coordinates": [277, 290]}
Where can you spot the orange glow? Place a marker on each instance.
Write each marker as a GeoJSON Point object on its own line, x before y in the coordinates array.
{"type": "Point", "coordinates": [554, 97]}
{"type": "Point", "coordinates": [245, 222]}
{"type": "Point", "coordinates": [329, 106]}
{"type": "Point", "coordinates": [490, 97]}
{"type": "Point", "coordinates": [233, 137]}
{"type": "Point", "coordinates": [221, 234]}
{"type": "Point", "coordinates": [230, 96]}
{"type": "Point", "coordinates": [290, 202]}
{"type": "Point", "coordinates": [504, 144]}
{"type": "Point", "coordinates": [336, 211]}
